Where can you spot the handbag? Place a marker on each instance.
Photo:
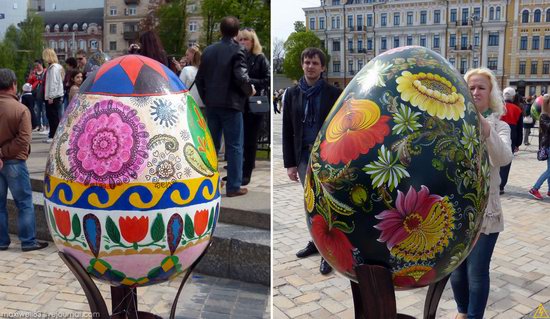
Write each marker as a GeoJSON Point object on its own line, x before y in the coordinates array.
{"type": "Point", "coordinates": [542, 154]}
{"type": "Point", "coordinates": [528, 119]}
{"type": "Point", "coordinates": [258, 104]}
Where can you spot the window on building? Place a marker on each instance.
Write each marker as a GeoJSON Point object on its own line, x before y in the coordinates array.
{"type": "Point", "coordinates": [409, 40]}
{"type": "Point", "coordinates": [112, 45]}
{"type": "Point", "coordinates": [338, 22]}
{"type": "Point", "coordinates": [423, 16]}
{"type": "Point", "coordinates": [48, 28]}
{"type": "Point", "coordinates": [359, 21]}
{"type": "Point", "coordinates": [369, 44]}
{"type": "Point", "coordinates": [322, 23]}
{"type": "Point", "coordinates": [359, 45]}
{"type": "Point", "coordinates": [463, 42]}
{"type": "Point", "coordinates": [546, 67]}
{"type": "Point", "coordinates": [312, 23]}
{"type": "Point", "coordinates": [383, 19]}
{"type": "Point", "coordinates": [322, 43]}
{"type": "Point", "coordinates": [84, 26]}
{"type": "Point", "coordinates": [452, 40]}
{"type": "Point", "coordinates": [465, 16]}
{"type": "Point", "coordinates": [335, 45]}
{"type": "Point", "coordinates": [532, 90]}
{"type": "Point", "coordinates": [534, 67]}
{"type": "Point", "coordinates": [369, 20]}
{"type": "Point", "coordinates": [53, 44]}
{"type": "Point", "coordinates": [477, 13]}
{"type": "Point", "coordinates": [82, 44]}
{"type": "Point", "coordinates": [132, 10]}
{"type": "Point", "coordinates": [191, 44]}
{"type": "Point", "coordinates": [350, 22]}
{"type": "Point", "coordinates": [397, 18]}
{"type": "Point", "coordinates": [383, 44]}
{"type": "Point", "coordinates": [350, 45]}
{"type": "Point", "coordinates": [543, 89]}
{"type": "Point", "coordinates": [435, 44]}
{"type": "Point", "coordinates": [112, 11]}
{"type": "Point", "coordinates": [350, 67]}
{"type": "Point", "coordinates": [333, 22]}
{"type": "Point", "coordinates": [396, 42]}
{"type": "Point", "coordinates": [112, 28]}
{"type": "Point", "coordinates": [437, 16]}
{"type": "Point", "coordinates": [547, 15]}
{"type": "Point", "coordinates": [193, 26]}
{"type": "Point", "coordinates": [523, 43]}
{"type": "Point", "coordinates": [452, 61]}
{"type": "Point", "coordinates": [423, 40]}
{"type": "Point", "coordinates": [336, 3]}
{"type": "Point", "coordinates": [525, 16]}
{"type": "Point", "coordinates": [476, 39]}
{"type": "Point", "coordinates": [75, 27]}
{"type": "Point", "coordinates": [336, 66]}
{"type": "Point", "coordinates": [61, 44]}
{"type": "Point", "coordinates": [492, 63]}
{"type": "Point", "coordinates": [521, 67]}
{"type": "Point", "coordinates": [463, 66]}
{"type": "Point", "coordinates": [359, 64]}
{"type": "Point", "coordinates": [65, 28]}
{"type": "Point", "coordinates": [476, 63]}
{"type": "Point", "coordinates": [547, 42]}
{"type": "Point", "coordinates": [409, 18]}
{"type": "Point", "coordinates": [56, 28]}
{"type": "Point", "coordinates": [453, 15]}
{"type": "Point", "coordinates": [497, 16]}
{"type": "Point", "coordinates": [493, 39]}
{"type": "Point", "coordinates": [491, 14]}
{"type": "Point", "coordinates": [537, 15]}
{"type": "Point", "coordinates": [535, 42]}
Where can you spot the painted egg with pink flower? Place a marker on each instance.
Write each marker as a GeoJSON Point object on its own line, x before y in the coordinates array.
{"type": "Point", "coordinates": [398, 175]}
{"type": "Point", "coordinates": [131, 184]}
{"type": "Point", "coordinates": [536, 107]}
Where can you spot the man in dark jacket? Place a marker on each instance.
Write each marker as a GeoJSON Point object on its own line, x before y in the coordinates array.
{"type": "Point", "coordinates": [224, 86]}
{"type": "Point", "coordinates": [514, 118]}
{"type": "Point", "coordinates": [15, 139]}
{"type": "Point", "coordinates": [306, 106]}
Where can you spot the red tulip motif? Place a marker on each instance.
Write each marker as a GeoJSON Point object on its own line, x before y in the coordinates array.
{"type": "Point", "coordinates": [134, 230]}
{"type": "Point", "coordinates": [200, 221]}
{"type": "Point", "coordinates": [63, 221]}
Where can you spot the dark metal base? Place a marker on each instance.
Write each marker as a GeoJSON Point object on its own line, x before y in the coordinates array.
{"type": "Point", "coordinates": [124, 299]}
{"type": "Point", "coordinates": [374, 295]}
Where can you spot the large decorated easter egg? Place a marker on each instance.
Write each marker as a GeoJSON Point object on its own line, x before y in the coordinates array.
{"type": "Point", "coordinates": [95, 61]}
{"type": "Point", "coordinates": [536, 107]}
{"type": "Point", "coordinates": [397, 175]}
{"type": "Point", "coordinates": [131, 184]}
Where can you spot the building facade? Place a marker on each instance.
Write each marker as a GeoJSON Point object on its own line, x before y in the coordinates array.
{"type": "Point", "coordinates": [469, 33]}
{"type": "Point", "coordinates": [194, 22]}
{"type": "Point", "coordinates": [12, 12]}
{"type": "Point", "coordinates": [69, 31]}
{"type": "Point", "coordinates": [122, 19]}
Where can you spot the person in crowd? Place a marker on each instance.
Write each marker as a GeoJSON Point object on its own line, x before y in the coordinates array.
{"type": "Point", "coordinates": [76, 81]}
{"type": "Point", "coordinates": [53, 90]}
{"type": "Point", "coordinates": [36, 79]}
{"type": "Point", "coordinates": [189, 72]}
{"type": "Point", "coordinates": [513, 116]}
{"type": "Point", "coordinates": [305, 108]}
{"type": "Point", "coordinates": [544, 142]}
{"type": "Point", "coordinates": [28, 100]}
{"type": "Point", "coordinates": [81, 60]}
{"type": "Point", "coordinates": [528, 121]}
{"type": "Point", "coordinates": [70, 65]}
{"type": "Point", "coordinates": [224, 86]}
{"type": "Point", "coordinates": [151, 47]}
{"type": "Point", "coordinates": [15, 139]}
{"type": "Point", "coordinates": [470, 281]}
{"type": "Point", "coordinates": [258, 71]}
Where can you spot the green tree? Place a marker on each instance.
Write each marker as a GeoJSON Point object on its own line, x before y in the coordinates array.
{"type": "Point", "coordinates": [172, 26]}
{"type": "Point", "coordinates": [299, 26]}
{"type": "Point", "coordinates": [294, 45]}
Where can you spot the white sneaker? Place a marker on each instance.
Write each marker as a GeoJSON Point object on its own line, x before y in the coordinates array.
{"type": "Point", "coordinates": [44, 132]}
{"type": "Point", "coordinates": [49, 140]}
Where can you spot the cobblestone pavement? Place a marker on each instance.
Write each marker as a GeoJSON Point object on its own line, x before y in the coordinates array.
{"type": "Point", "coordinates": [38, 282]}
{"type": "Point", "coordinates": [520, 270]}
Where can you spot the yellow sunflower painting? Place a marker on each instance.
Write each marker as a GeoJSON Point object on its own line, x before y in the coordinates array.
{"type": "Point", "coordinates": [431, 93]}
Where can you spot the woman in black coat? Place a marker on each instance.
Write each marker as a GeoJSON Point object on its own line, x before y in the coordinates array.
{"type": "Point", "coordinates": [258, 71]}
{"type": "Point", "coordinates": [526, 125]}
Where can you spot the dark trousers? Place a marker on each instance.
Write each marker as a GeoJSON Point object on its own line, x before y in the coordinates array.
{"type": "Point", "coordinates": [504, 172]}
{"type": "Point", "coordinates": [52, 113]}
{"type": "Point", "coordinates": [252, 123]}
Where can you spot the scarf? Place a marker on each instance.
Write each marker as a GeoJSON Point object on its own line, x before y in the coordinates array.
{"type": "Point", "coordinates": [310, 93]}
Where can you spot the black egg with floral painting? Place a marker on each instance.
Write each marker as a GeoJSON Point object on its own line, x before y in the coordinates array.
{"type": "Point", "coordinates": [398, 175]}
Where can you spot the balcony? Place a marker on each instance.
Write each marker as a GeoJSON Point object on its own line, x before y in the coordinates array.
{"type": "Point", "coordinates": [462, 48]}
{"type": "Point", "coordinates": [129, 2]}
{"type": "Point", "coordinates": [131, 35]}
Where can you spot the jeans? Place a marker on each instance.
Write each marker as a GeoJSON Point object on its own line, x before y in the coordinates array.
{"type": "Point", "coordinates": [52, 112]}
{"type": "Point", "coordinates": [252, 123]}
{"type": "Point", "coordinates": [526, 133]}
{"type": "Point", "coordinates": [40, 107]}
{"type": "Point", "coordinates": [470, 281]}
{"type": "Point", "coordinates": [15, 176]}
{"type": "Point", "coordinates": [545, 176]}
{"type": "Point", "coordinates": [230, 122]}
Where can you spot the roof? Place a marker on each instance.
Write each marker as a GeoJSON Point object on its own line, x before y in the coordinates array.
{"type": "Point", "coordinates": [93, 15]}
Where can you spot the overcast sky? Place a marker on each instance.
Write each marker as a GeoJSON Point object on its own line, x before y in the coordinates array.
{"type": "Point", "coordinates": [285, 12]}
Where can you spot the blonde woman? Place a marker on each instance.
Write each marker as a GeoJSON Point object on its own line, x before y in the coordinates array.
{"type": "Point", "coordinates": [188, 74]}
{"type": "Point", "coordinates": [544, 142]}
{"type": "Point", "coordinates": [258, 71]}
{"type": "Point", "coordinates": [470, 281]}
{"type": "Point", "coordinates": [53, 90]}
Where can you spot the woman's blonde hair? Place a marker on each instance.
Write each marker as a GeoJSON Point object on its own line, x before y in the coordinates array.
{"type": "Point", "coordinates": [545, 108]}
{"type": "Point", "coordinates": [496, 103]}
{"type": "Point", "coordinates": [49, 56]}
{"type": "Point", "coordinates": [250, 34]}
{"type": "Point", "coordinates": [196, 55]}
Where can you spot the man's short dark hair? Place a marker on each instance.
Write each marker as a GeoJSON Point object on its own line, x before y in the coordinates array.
{"type": "Point", "coordinates": [7, 79]}
{"type": "Point", "coordinates": [72, 62]}
{"type": "Point", "coordinates": [311, 53]}
{"type": "Point", "coordinates": [229, 26]}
